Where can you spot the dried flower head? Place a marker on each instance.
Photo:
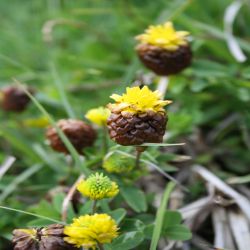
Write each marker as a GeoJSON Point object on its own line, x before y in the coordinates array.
{"type": "Point", "coordinates": [164, 50]}
{"type": "Point", "coordinates": [97, 187]}
{"type": "Point", "coordinates": [89, 230]}
{"type": "Point", "coordinates": [137, 117]}
{"type": "Point", "coordinates": [14, 99]}
{"type": "Point", "coordinates": [47, 238]}
{"type": "Point", "coordinates": [164, 36]}
{"type": "Point", "coordinates": [138, 100]}
{"type": "Point", "coordinates": [98, 116]}
{"type": "Point", "coordinates": [79, 133]}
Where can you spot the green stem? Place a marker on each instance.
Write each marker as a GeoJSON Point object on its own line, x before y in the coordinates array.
{"type": "Point", "coordinates": [105, 139]}
{"type": "Point", "coordinates": [100, 246]}
{"type": "Point", "coordinates": [139, 151]}
{"type": "Point", "coordinates": [94, 206]}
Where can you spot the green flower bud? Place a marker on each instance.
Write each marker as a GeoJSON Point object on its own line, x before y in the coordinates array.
{"type": "Point", "coordinates": [97, 187]}
{"type": "Point", "coordinates": [118, 163]}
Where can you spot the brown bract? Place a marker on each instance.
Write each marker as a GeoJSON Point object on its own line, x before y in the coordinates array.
{"type": "Point", "coordinates": [14, 99]}
{"type": "Point", "coordinates": [49, 238]}
{"type": "Point", "coordinates": [134, 129]}
{"type": "Point", "coordinates": [162, 61]}
{"type": "Point", "coordinates": [79, 133]}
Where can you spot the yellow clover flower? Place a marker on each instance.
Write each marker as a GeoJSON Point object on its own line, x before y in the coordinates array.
{"type": "Point", "coordinates": [98, 116]}
{"type": "Point", "coordinates": [138, 100]}
{"type": "Point", "coordinates": [90, 230]}
{"type": "Point", "coordinates": [164, 36]}
{"type": "Point", "coordinates": [98, 187]}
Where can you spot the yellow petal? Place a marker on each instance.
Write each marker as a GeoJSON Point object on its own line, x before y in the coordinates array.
{"type": "Point", "coordinates": [164, 36]}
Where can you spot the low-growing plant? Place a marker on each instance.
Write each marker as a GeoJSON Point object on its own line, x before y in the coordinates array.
{"type": "Point", "coordinates": [77, 172]}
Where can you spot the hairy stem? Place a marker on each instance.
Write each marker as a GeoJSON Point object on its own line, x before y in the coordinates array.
{"type": "Point", "coordinates": [105, 139]}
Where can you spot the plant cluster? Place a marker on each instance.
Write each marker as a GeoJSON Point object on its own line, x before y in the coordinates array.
{"type": "Point", "coordinates": [84, 174]}
{"type": "Point", "coordinates": [136, 118]}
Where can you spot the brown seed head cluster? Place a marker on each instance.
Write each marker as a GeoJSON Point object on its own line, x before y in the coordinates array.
{"type": "Point", "coordinates": [137, 117]}
{"type": "Point", "coordinates": [14, 99]}
{"type": "Point", "coordinates": [48, 238]}
{"type": "Point", "coordinates": [162, 61]}
{"type": "Point", "coordinates": [163, 49]}
{"type": "Point", "coordinates": [79, 133]}
{"type": "Point", "coordinates": [135, 129]}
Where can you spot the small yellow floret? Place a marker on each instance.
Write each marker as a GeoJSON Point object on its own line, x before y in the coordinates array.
{"type": "Point", "coordinates": [40, 122]}
{"type": "Point", "coordinates": [98, 187]}
{"type": "Point", "coordinates": [137, 100]}
{"type": "Point", "coordinates": [89, 230]}
{"type": "Point", "coordinates": [164, 36]}
{"type": "Point", "coordinates": [98, 116]}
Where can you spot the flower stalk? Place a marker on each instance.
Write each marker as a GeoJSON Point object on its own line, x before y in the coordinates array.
{"type": "Point", "coordinates": [94, 206]}
{"type": "Point", "coordinates": [139, 150]}
{"type": "Point", "coordinates": [105, 139]}
{"type": "Point", "coordinates": [100, 246]}
{"type": "Point", "coordinates": [163, 85]}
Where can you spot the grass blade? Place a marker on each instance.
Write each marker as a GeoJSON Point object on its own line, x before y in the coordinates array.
{"type": "Point", "coordinates": [239, 180]}
{"type": "Point", "coordinates": [63, 137]}
{"type": "Point", "coordinates": [31, 214]}
{"type": "Point", "coordinates": [18, 142]}
{"type": "Point", "coordinates": [229, 18]}
{"type": "Point", "coordinates": [61, 91]}
{"type": "Point", "coordinates": [19, 179]}
{"type": "Point", "coordinates": [15, 63]}
{"type": "Point", "coordinates": [6, 165]}
{"type": "Point", "coordinates": [160, 216]}
{"type": "Point", "coordinates": [160, 144]}
{"type": "Point", "coordinates": [157, 168]}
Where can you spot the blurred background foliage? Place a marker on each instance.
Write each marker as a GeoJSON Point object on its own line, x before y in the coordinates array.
{"type": "Point", "coordinates": [87, 49]}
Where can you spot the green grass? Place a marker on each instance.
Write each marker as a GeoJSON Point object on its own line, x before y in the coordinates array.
{"type": "Point", "coordinates": [91, 55]}
{"type": "Point", "coordinates": [160, 216]}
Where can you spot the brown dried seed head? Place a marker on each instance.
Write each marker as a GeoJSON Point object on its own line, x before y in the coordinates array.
{"type": "Point", "coordinates": [14, 99]}
{"type": "Point", "coordinates": [53, 230]}
{"type": "Point", "coordinates": [137, 128]}
{"type": "Point", "coordinates": [49, 238]}
{"type": "Point", "coordinates": [52, 238]}
{"type": "Point", "coordinates": [162, 61]}
{"type": "Point", "coordinates": [25, 239]}
{"type": "Point", "coordinates": [79, 133]}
